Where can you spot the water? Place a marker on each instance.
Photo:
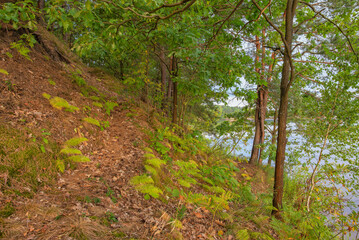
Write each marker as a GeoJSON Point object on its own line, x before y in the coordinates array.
{"type": "Point", "coordinates": [295, 143]}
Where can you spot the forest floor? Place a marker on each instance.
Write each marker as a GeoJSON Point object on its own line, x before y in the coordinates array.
{"type": "Point", "coordinates": [92, 200]}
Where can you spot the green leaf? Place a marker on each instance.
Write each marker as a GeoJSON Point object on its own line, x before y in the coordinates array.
{"type": "Point", "coordinates": [79, 158]}
{"type": "Point", "coordinates": [75, 141]}
{"type": "Point", "coordinates": [92, 121]}
{"type": "Point", "coordinates": [242, 234]}
{"type": "Point", "coordinates": [70, 151]}
{"type": "Point", "coordinates": [60, 165]}
{"type": "Point", "coordinates": [42, 148]}
{"type": "Point", "coordinates": [3, 71]}
{"type": "Point", "coordinates": [47, 96]}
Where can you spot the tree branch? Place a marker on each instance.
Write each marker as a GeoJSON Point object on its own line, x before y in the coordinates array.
{"type": "Point", "coordinates": [336, 25]}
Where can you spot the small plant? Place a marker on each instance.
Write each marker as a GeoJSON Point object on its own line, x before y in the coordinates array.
{"type": "Point", "coordinates": [60, 103]}
{"type": "Point", "coordinates": [109, 106]}
{"type": "Point", "coordinates": [47, 96]}
{"type": "Point", "coordinates": [145, 185]}
{"type": "Point", "coordinates": [111, 217]}
{"type": "Point", "coordinates": [73, 154]}
{"type": "Point", "coordinates": [80, 81]}
{"type": "Point", "coordinates": [3, 71]}
{"type": "Point", "coordinates": [52, 82]}
{"type": "Point", "coordinates": [102, 125]}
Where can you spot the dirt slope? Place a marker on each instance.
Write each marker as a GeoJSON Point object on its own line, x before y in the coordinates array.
{"type": "Point", "coordinates": [93, 200]}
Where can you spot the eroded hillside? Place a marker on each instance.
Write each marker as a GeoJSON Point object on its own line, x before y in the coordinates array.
{"type": "Point", "coordinates": [56, 114]}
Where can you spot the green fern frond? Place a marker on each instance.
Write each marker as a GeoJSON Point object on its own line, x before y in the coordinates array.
{"type": "Point", "coordinates": [70, 151]}
{"type": "Point", "coordinates": [92, 121]}
{"type": "Point", "coordinates": [184, 183]}
{"type": "Point", "coordinates": [97, 104]}
{"type": "Point", "coordinates": [60, 103]}
{"type": "Point", "coordinates": [141, 180]}
{"type": "Point", "coordinates": [149, 155]}
{"type": "Point", "coordinates": [155, 162]}
{"type": "Point", "coordinates": [151, 169]}
{"type": "Point", "coordinates": [3, 71]}
{"type": "Point", "coordinates": [243, 234]}
{"type": "Point", "coordinates": [75, 141]}
{"type": "Point", "coordinates": [79, 158]}
{"type": "Point", "coordinates": [214, 189]}
{"type": "Point", "coordinates": [60, 165]}
{"type": "Point", "coordinates": [150, 189]}
{"type": "Point", "coordinates": [148, 150]}
{"type": "Point", "coordinates": [47, 96]}
{"type": "Point", "coordinates": [95, 98]}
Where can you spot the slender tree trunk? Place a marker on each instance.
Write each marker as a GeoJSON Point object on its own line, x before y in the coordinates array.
{"type": "Point", "coordinates": [263, 111]}
{"type": "Point", "coordinates": [283, 109]}
{"type": "Point", "coordinates": [164, 76]}
{"type": "Point", "coordinates": [175, 91]}
{"type": "Point", "coordinates": [255, 150]}
{"type": "Point", "coordinates": [263, 101]}
{"type": "Point", "coordinates": [122, 78]}
{"type": "Point", "coordinates": [273, 133]}
{"type": "Point", "coordinates": [175, 103]}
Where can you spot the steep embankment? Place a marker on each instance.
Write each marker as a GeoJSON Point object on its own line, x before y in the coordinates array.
{"type": "Point", "coordinates": [51, 98]}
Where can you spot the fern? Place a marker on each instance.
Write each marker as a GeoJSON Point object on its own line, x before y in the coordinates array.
{"type": "Point", "coordinates": [243, 234]}
{"type": "Point", "coordinates": [145, 185]}
{"type": "Point", "coordinates": [142, 179]}
{"type": "Point", "coordinates": [184, 183]}
{"type": "Point", "coordinates": [92, 121]}
{"type": "Point", "coordinates": [60, 103]}
{"type": "Point", "coordinates": [60, 165]}
{"type": "Point", "coordinates": [95, 98]}
{"type": "Point", "coordinates": [70, 151]}
{"type": "Point", "coordinates": [155, 162]}
{"type": "Point", "coordinates": [75, 141]}
{"type": "Point", "coordinates": [47, 96]}
{"type": "Point", "coordinates": [79, 158]}
{"type": "Point", "coordinates": [151, 170]}
{"type": "Point", "coordinates": [109, 106]}
{"type": "Point", "coordinates": [97, 104]}
{"type": "Point", "coordinates": [3, 71]}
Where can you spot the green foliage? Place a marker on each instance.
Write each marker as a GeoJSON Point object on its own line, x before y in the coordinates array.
{"type": "Point", "coordinates": [78, 158]}
{"type": "Point", "coordinates": [97, 104]}
{"type": "Point", "coordinates": [76, 76]}
{"type": "Point", "coordinates": [3, 71]}
{"type": "Point", "coordinates": [60, 103]}
{"type": "Point", "coordinates": [70, 151]}
{"type": "Point", "coordinates": [145, 185]}
{"type": "Point", "coordinates": [109, 106]}
{"type": "Point", "coordinates": [92, 121]}
{"type": "Point", "coordinates": [47, 96]}
{"type": "Point", "coordinates": [75, 141]}
{"type": "Point", "coordinates": [242, 234]}
{"type": "Point", "coordinates": [101, 125]}
{"type": "Point", "coordinates": [7, 210]}
{"type": "Point", "coordinates": [21, 14]}
{"type": "Point", "coordinates": [24, 162]}
{"type": "Point", "coordinates": [22, 46]}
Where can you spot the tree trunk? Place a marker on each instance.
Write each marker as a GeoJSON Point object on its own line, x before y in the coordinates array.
{"type": "Point", "coordinates": [255, 150]}
{"type": "Point", "coordinates": [273, 133]}
{"type": "Point", "coordinates": [164, 76]}
{"type": "Point", "coordinates": [283, 109]}
{"type": "Point", "coordinates": [262, 112]}
{"type": "Point", "coordinates": [175, 91]}
{"type": "Point", "coordinates": [122, 78]}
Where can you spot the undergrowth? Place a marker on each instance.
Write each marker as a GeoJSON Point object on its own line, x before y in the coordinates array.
{"type": "Point", "coordinates": [27, 161]}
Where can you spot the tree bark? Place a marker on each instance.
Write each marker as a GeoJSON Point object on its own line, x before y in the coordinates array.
{"type": "Point", "coordinates": [175, 91]}
{"type": "Point", "coordinates": [255, 150]}
{"type": "Point", "coordinates": [283, 109]}
{"type": "Point", "coordinates": [164, 76]}
{"type": "Point", "coordinates": [273, 133]}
